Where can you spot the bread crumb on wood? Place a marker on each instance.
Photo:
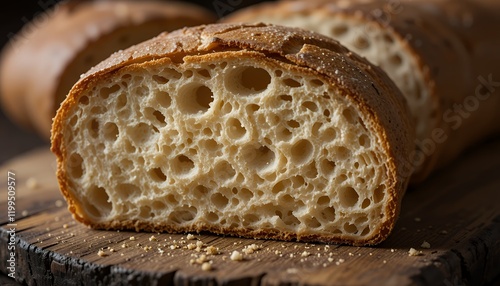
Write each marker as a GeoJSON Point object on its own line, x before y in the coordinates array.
{"type": "Point", "coordinates": [101, 253]}
{"type": "Point", "coordinates": [212, 250]}
{"type": "Point", "coordinates": [414, 252]}
{"type": "Point", "coordinates": [236, 256]}
{"type": "Point", "coordinates": [132, 238]}
{"type": "Point", "coordinates": [153, 238]}
{"type": "Point", "coordinates": [206, 266]}
{"type": "Point", "coordinates": [190, 237]}
{"type": "Point", "coordinates": [305, 254]}
{"type": "Point", "coordinates": [425, 244]}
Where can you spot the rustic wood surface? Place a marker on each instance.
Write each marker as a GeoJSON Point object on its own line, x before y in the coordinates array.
{"type": "Point", "coordinates": [457, 211]}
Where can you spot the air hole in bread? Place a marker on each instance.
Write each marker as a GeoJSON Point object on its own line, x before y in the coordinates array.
{"type": "Point", "coordinates": [84, 100]}
{"type": "Point", "coordinates": [350, 228]}
{"type": "Point", "coordinates": [160, 79]}
{"type": "Point", "coordinates": [182, 165]}
{"type": "Point", "coordinates": [328, 214]}
{"type": "Point", "coordinates": [366, 203]}
{"type": "Point", "coordinates": [301, 151]}
{"type": "Point", "coordinates": [163, 98]}
{"type": "Point", "coordinates": [379, 194]}
{"type": "Point", "coordinates": [291, 82]}
{"type": "Point", "coordinates": [248, 80]}
{"type": "Point", "coordinates": [105, 92]}
{"type": "Point", "coordinates": [121, 101]}
{"type": "Point", "coordinates": [224, 171]}
{"type": "Point", "coordinates": [94, 128]}
{"type": "Point", "coordinates": [75, 166]}
{"type": "Point", "coordinates": [100, 199]}
{"type": "Point", "coordinates": [212, 217]}
{"type": "Point", "coordinates": [364, 141]}
{"type": "Point", "coordinates": [312, 222]}
{"type": "Point", "coordinates": [329, 134]}
{"type": "Point", "coordinates": [323, 200]}
{"type": "Point", "coordinates": [260, 158]}
{"type": "Point", "coordinates": [311, 171]}
{"type": "Point", "coordinates": [235, 129]}
{"type": "Point", "coordinates": [204, 73]}
{"type": "Point", "coordinates": [157, 175]}
{"type": "Point", "coordinates": [348, 197]}
{"type": "Point", "coordinates": [195, 98]}
{"type": "Point", "coordinates": [316, 82]}
{"type": "Point", "coordinates": [286, 97]}
{"type": "Point", "coordinates": [220, 201]}
{"type": "Point", "coordinates": [110, 131]}
{"type": "Point", "coordinates": [310, 106]}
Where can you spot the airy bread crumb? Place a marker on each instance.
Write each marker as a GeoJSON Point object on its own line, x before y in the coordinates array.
{"type": "Point", "coordinates": [414, 252]}
{"type": "Point", "coordinates": [425, 244]}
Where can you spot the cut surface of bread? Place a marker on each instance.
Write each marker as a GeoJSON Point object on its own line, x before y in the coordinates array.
{"type": "Point", "coordinates": [257, 131]}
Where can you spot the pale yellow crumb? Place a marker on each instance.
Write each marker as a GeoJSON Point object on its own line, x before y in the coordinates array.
{"type": "Point", "coordinates": [59, 203]}
{"type": "Point", "coordinates": [101, 253]}
{"type": "Point", "coordinates": [211, 250]}
{"type": "Point", "coordinates": [206, 266]}
{"type": "Point", "coordinates": [190, 237]}
{"type": "Point", "coordinates": [132, 238]}
{"type": "Point", "coordinates": [236, 256]}
{"type": "Point", "coordinates": [153, 238]}
{"type": "Point", "coordinates": [414, 252]}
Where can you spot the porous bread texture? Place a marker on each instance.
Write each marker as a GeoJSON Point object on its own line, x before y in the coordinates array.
{"type": "Point", "coordinates": [378, 42]}
{"type": "Point", "coordinates": [231, 140]}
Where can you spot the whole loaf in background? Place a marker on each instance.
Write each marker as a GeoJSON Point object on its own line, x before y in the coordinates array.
{"type": "Point", "coordinates": [442, 54]}
{"type": "Point", "coordinates": [42, 62]}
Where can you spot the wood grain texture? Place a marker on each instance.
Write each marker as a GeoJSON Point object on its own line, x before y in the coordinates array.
{"type": "Point", "coordinates": [457, 211]}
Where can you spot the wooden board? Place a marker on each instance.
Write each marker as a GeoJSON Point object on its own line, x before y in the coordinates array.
{"type": "Point", "coordinates": [457, 212]}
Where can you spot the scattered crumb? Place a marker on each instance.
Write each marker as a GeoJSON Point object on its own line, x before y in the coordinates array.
{"type": "Point", "coordinates": [417, 219]}
{"type": "Point", "coordinates": [292, 270]}
{"type": "Point", "coordinates": [191, 246]}
{"type": "Point", "coordinates": [174, 246]}
{"type": "Point", "coordinates": [153, 238]}
{"type": "Point", "coordinates": [190, 237]}
{"type": "Point", "coordinates": [211, 250]}
{"type": "Point", "coordinates": [111, 250]}
{"type": "Point", "coordinates": [161, 251]}
{"type": "Point", "coordinates": [414, 252]}
{"type": "Point", "coordinates": [32, 183]}
{"type": "Point", "coordinates": [132, 238]}
{"type": "Point", "coordinates": [101, 253]}
{"type": "Point", "coordinates": [392, 250]}
{"type": "Point", "coordinates": [443, 232]}
{"type": "Point", "coordinates": [199, 243]}
{"type": "Point", "coordinates": [147, 248]}
{"type": "Point", "coordinates": [385, 261]}
{"type": "Point", "coordinates": [124, 245]}
{"type": "Point", "coordinates": [291, 255]}
{"type": "Point", "coordinates": [277, 252]}
{"type": "Point", "coordinates": [206, 266]}
{"type": "Point", "coordinates": [65, 225]}
{"type": "Point", "coordinates": [236, 256]}
{"type": "Point", "coordinates": [340, 261]}
{"type": "Point", "coordinates": [59, 203]}
{"type": "Point", "coordinates": [330, 259]}
{"type": "Point", "coordinates": [425, 244]}
{"type": "Point", "coordinates": [305, 254]}
{"type": "Point", "coordinates": [24, 213]}
{"type": "Point", "coordinates": [350, 254]}
{"type": "Point", "coordinates": [249, 249]}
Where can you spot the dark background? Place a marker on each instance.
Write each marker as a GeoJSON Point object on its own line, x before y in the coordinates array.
{"type": "Point", "coordinates": [15, 140]}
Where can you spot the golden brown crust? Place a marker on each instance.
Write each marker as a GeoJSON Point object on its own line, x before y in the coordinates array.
{"type": "Point", "coordinates": [360, 82]}
{"type": "Point", "coordinates": [45, 59]}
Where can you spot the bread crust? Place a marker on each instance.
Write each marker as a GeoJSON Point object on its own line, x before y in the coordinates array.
{"type": "Point", "coordinates": [357, 80]}
{"type": "Point", "coordinates": [41, 63]}
{"type": "Point", "coordinates": [454, 45]}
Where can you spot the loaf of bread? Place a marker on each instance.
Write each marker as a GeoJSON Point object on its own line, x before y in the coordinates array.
{"type": "Point", "coordinates": [442, 54]}
{"type": "Point", "coordinates": [40, 65]}
{"type": "Point", "coordinates": [249, 130]}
